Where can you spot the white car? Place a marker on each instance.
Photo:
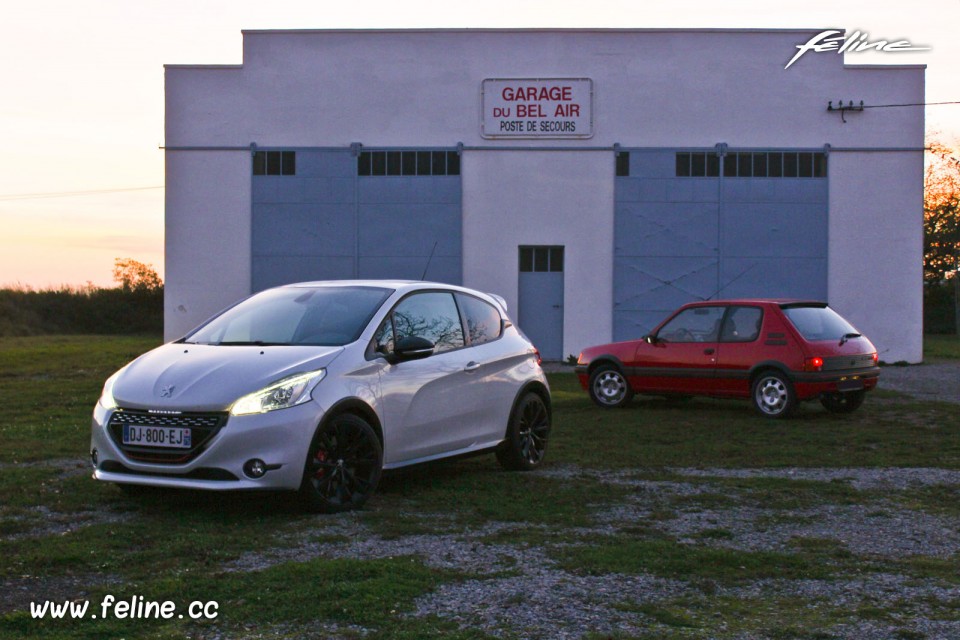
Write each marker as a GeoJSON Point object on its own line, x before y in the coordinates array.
{"type": "Point", "coordinates": [318, 387]}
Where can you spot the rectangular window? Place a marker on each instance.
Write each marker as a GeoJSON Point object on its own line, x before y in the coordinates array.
{"type": "Point", "coordinates": [789, 165]}
{"type": "Point", "coordinates": [393, 163]}
{"type": "Point", "coordinates": [379, 163]}
{"type": "Point", "coordinates": [759, 165]}
{"type": "Point", "coordinates": [364, 164]}
{"type": "Point", "coordinates": [623, 164]}
{"type": "Point", "coordinates": [749, 164]}
{"type": "Point", "coordinates": [775, 165]}
{"type": "Point", "coordinates": [275, 163]}
{"type": "Point", "coordinates": [744, 165]}
{"type": "Point", "coordinates": [541, 259]}
{"type": "Point", "coordinates": [819, 165]}
{"type": "Point", "coordinates": [713, 165]}
{"type": "Point", "coordinates": [805, 165]}
{"type": "Point", "coordinates": [453, 163]}
{"type": "Point", "coordinates": [439, 166]}
{"type": "Point", "coordinates": [698, 165]}
{"type": "Point", "coordinates": [408, 163]}
{"type": "Point", "coordinates": [730, 165]}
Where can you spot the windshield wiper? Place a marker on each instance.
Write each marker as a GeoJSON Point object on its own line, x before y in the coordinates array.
{"type": "Point", "coordinates": [847, 336]}
{"type": "Point", "coordinates": [249, 343]}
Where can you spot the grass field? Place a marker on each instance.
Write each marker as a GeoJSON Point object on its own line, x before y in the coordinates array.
{"type": "Point", "coordinates": [649, 493]}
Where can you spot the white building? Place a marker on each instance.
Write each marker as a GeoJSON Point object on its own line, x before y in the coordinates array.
{"type": "Point", "coordinates": [596, 179]}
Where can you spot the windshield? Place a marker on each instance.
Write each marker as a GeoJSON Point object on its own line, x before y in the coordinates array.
{"type": "Point", "coordinates": [321, 316]}
{"type": "Point", "coordinates": [819, 323]}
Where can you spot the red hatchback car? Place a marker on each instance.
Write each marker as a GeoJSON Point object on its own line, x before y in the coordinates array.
{"type": "Point", "coordinates": [774, 352]}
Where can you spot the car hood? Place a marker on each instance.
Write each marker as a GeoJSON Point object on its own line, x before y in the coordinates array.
{"type": "Point", "coordinates": [194, 377]}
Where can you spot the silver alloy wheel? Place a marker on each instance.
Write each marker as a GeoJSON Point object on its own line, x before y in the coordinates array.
{"type": "Point", "coordinates": [771, 395]}
{"type": "Point", "coordinates": [610, 387]}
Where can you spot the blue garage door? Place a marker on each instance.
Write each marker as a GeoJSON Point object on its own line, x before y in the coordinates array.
{"type": "Point", "coordinates": [718, 223]}
{"type": "Point", "coordinates": [322, 214]}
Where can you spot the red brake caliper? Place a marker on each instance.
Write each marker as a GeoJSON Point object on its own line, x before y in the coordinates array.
{"type": "Point", "coordinates": [320, 457]}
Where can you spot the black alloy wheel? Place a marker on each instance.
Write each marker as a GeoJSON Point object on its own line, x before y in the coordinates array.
{"type": "Point", "coordinates": [527, 435]}
{"type": "Point", "coordinates": [343, 465]}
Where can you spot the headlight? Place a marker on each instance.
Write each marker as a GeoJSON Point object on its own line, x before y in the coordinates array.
{"type": "Point", "coordinates": [282, 394]}
{"type": "Point", "coordinates": [106, 396]}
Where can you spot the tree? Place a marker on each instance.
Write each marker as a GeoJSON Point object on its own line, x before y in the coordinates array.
{"type": "Point", "coordinates": [132, 275]}
{"type": "Point", "coordinates": [941, 214]}
{"type": "Point", "coordinates": [941, 240]}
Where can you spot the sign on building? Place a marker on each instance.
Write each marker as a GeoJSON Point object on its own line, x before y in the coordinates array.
{"type": "Point", "coordinates": [537, 108]}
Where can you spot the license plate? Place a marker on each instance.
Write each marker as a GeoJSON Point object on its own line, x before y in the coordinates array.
{"type": "Point", "coordinates": [145, 436]}
{"type": "Point", "coordinates": [850, 384]}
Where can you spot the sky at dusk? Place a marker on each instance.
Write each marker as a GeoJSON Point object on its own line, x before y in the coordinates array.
{"type": "Point", "coordinates": [81, 171]}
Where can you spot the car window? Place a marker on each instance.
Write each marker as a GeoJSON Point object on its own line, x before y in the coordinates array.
{"type": "Point", "coordinates": [482, 319]}
{"type": "Point", "coordinates": [432, 315]}
{"type": "Point", "coordinates": [383, 338]}
{"type": "Point", "coordinates": [295, 316]}
{"type": "Point", "coordinates": [697, 324]}
{"type": "Point", "coordinates": [818, 323]}
{"type": "Point", "coordinates": [742, 324]}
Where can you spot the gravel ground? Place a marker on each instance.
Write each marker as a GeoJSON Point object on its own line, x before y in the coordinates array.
{"type": "Point", "coordinates": [938, 381]}
{"type": "Point", "coordinates": [520, 590]}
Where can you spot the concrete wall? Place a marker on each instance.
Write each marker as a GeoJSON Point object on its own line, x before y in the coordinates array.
{"type": "Point", "coordinates": [664, 89]}
{"type": "Point", "coordinates": [207, 236]}
{"type": "Point", "coordinates": [543, 198]}
{"type": "Point", "coordinates": [876, 248]}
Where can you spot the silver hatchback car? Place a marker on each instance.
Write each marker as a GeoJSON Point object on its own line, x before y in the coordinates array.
{"type": "Point", "coordinates": [318, 387]}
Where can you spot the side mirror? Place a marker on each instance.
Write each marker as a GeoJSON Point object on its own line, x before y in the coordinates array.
{"type": "Point", "coordinates": [412, 348]}
{"type": "Point", "coordinates": [650, 339]}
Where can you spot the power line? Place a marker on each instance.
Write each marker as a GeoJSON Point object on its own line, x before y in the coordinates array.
{"type": "Point", "coordinates": [909, 104]}
{"type": "Point", "coordinates": [70, 194]}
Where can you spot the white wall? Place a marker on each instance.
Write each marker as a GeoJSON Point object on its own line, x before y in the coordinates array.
{"type": "Point", "coordinates": [208, 222]}
{"type": "Point", "coordinates": [875, 255]}
{"type": "Point", "coordinates": [543, 198]}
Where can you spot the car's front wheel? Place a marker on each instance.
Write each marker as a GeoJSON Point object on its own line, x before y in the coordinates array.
{"type": "Point", "coordinates": [527, 433]}
{"type": "Point", "coordinates": [843, 402]}
{"type": "Point", "coordinates": [609, 387]}
{"type": "Point", "coordinates": [343, 465]}
{"type": "Point", "coordinates": [773, 395]}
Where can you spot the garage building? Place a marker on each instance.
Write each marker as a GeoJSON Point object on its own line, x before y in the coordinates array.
{"type": "Point", "coordinates": [596, 179]}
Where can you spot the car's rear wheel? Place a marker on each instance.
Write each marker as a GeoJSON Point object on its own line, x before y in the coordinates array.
{"type": "Point", "coordinates": [773, 395]}
{"type": "Point", "coordinates": [527, 434]}
{"type": "Point", "coordinates": [843, 402]}
{"type": "Point", "coordinates": [343, 465]}
{"type": "Point", "coordinates": [609, 387]}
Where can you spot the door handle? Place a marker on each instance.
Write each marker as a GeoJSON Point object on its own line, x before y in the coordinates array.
{"type": "Point", "coordinates": [471, 366]}
{"type": "Point", "coordinates": [709, 352]}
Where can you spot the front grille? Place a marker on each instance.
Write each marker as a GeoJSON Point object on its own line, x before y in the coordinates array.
{"type": "Point", "coordinates": [203, 426]}
{"type": "Point", "coordinates": [841, 363]}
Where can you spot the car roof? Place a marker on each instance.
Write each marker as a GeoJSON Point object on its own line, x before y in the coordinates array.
{"type": "Point", "coordinates": [403, 287]}
{"type": "Point", "coordinates": [780, 302]}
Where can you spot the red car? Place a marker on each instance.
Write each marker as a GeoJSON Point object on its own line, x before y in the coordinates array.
{"type": "Point", "coordinates": [774, 352]}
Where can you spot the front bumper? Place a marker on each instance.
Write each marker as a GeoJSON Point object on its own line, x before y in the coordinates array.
{"type": "Point", "coordinates": [279, 438]}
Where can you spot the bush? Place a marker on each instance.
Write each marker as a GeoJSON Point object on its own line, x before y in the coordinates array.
{"type": "Point", "coordinates": [939, 308]}
{"type": "Point", "coordinates": [88, 310]}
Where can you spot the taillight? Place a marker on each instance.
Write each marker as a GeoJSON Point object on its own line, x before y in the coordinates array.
{"type": "Point", "coordinates": [813, 364]}
{"type": "Point", "coordinates": [536, 352]}
{"type": "Point", "coordinates": [876, 358]}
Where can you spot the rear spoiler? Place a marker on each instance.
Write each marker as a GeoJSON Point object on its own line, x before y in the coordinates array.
{"type": "Point", "coordinates": [500, 301]}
